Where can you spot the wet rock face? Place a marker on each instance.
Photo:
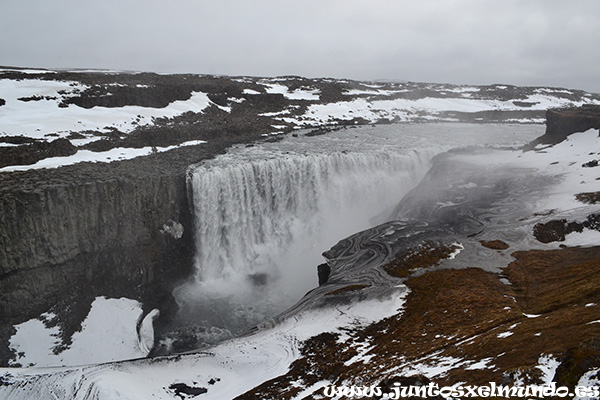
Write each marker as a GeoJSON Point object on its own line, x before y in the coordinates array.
{"type": "Point", "coordinates": [563, 122]}
{"type": "Point", "coordinates": [323, 271]}
{"type": "Point", "coordinates": [102, 237]}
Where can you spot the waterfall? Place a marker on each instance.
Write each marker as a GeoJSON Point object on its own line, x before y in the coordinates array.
{"type": "Point", "coordinates": [263, 219]}
{"type": "Point", "coordinates": [264, 214]}
{"type": "Point", "coordinates": [248, 214]}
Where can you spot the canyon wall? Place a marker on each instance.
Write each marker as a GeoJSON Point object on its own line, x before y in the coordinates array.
{"type": "Point", "coordinates": [562, 122]}
{"type": "Point", "coordinates": [118, 236]}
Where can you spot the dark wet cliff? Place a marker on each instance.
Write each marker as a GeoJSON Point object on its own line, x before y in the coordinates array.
{"type": "Point", "coordinates": [560, 123]}
{"type": "Point", "coordinates": [98, 233]}
{"type": "Point", "coordinates": [104, 236]}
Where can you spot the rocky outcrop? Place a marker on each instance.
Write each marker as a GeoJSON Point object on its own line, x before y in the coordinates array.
{"type": "Point", "coordinates": [35, 151]}
{"type": "Point", "coordinates": [64, 230]}
{"type": "Point", "coordinates": [66, 243]}
{"type": "Point", "coordinates": [560, 123]}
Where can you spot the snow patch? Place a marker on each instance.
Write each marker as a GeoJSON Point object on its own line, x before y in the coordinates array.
{"type": "Point", "coordinates": [459, 248]}
{"type": "Point", "coordinates": [42, 116]}
{"type": "Point", "coordinates": [116, 154]}
{"type": "Point", "coordinates": [250, 91]}
{"type": "Point", "coordinates": [547, 364]}
{"type": "Point", "coordinates": [298, 94]}
{"type": "Point", "coordinates": [589, 379]}
{"type": "Point", "coordinates": [588, 237]}
{"type": "Point", "coordinates": [481, 364]}
{"type": "Point", "coordinates": [107, 334]}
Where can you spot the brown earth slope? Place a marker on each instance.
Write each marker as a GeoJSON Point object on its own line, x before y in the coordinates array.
{"type": "Point", "coordinates": [455, 318]}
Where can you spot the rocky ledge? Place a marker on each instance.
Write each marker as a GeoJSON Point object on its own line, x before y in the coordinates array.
{"type": "Point", "coordinates": [561, 122]}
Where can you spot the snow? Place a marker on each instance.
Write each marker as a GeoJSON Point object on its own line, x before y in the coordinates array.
{"type": "Point", "coordinates": [481, 364]}
{"type": "Point", "coordinates": [239, 364]}
{"type": "Point", "coordinates": [504, 334]}
{"type": "Point", "coordinates": [463, 89]}
{"type": "Point", "coordinates": [97, 342]}
{"type": "Point", "coordinates": [358, 92]}
{"type": "Point", "coordinates": [588, 237]}
{"type": "Point", "coordinates": [250, 91]}
{"type": "Point", "coordinates": [37, 118]}
{"type": "Point", "coordinates": [146, 333]}
{"type": "Point", "coordinates": [28, 71]}
{"type": "Point", "coordinates": [562, 161]}
{"type": "Point", "coordinates": [532, 315]}
{"type": "Point", "coordinates": [589, 379]}
{"type": "Point", "coordinates": [547, 364]}
{"type": "Point", "coordinates": [311, 389]}
{"type": "Point", "coordinates": [459, 248]}
{"type": "Point", "coordinates": [408, 109]}
{"type": "Point", "coordinates": [33, 341]}
{"type": "Point", "coordinates": [298, 94]}
{"type": "Point", "coordinates": [116, 154]}
{"type": "Point", "coordinates": [432, 366]}
{"type": "Point", "coordinates": [236, 100]}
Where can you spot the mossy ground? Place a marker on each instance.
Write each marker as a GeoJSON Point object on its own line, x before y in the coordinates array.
{"type": "Point", "coordinates": [460, 317]}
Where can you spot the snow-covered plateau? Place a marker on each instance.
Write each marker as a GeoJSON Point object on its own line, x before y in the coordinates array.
{"type": "Point", "coordinates": [178, 237]}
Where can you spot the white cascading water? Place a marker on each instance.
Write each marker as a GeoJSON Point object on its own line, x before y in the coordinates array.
{"type": "Point", "coordinates": [247, 214]}
{"type": "Point", "coordinates": [262, 222]}
{"type": "Point", "coordinates": [265, 214]}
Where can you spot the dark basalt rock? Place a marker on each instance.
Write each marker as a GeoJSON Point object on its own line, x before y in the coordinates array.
{"type": "Point", "coordinates": [556, 230]}
{"type": "Point", "coordinates": [158, 96]}
{"type": "Point", "coordinates": [183, 391]}
{"type": "Point", "coordinates": [35, 151]}
{"type": "Point", "coordinates": [323, 272]}
{"type": "Point", "coordinates": [552, 231]}
{"type": "Point", "coordinates": [495, 244]}
{"type": "Point", "coordinates": [2, 102]}
{"type": "Point", "coordinates": [560, 123]}
{"type": "Point", "coordinates": [578, 361]}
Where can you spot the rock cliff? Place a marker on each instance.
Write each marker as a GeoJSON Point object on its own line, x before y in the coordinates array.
{"type": "Point", "coordinates": [562, 122]}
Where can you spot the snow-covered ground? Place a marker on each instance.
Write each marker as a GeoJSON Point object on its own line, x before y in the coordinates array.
{"type": "Point", "coordinates": [235, 366]}
{"type": "Point", "coordinates": [115, 154]}
{"type": "Point", "coordinates": [42, 115]}
{"type": "Point", "coordinates": [34, 108]}
{"type": "Point", "coordinates": [36, 342]}
{"type": "Point", "coordinates": [428, 108]}
{"type": "Point", "coordinates": [226, 370]}
{"type": "Point", "coordinates": [564, 160]}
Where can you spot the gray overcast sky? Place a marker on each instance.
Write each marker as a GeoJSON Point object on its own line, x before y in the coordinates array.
{"type": "Point", "coordinates": [522, 42]}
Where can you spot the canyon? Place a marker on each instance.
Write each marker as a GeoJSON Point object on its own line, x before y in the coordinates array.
{"type": "Point", "coordinates": [129, 228]}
